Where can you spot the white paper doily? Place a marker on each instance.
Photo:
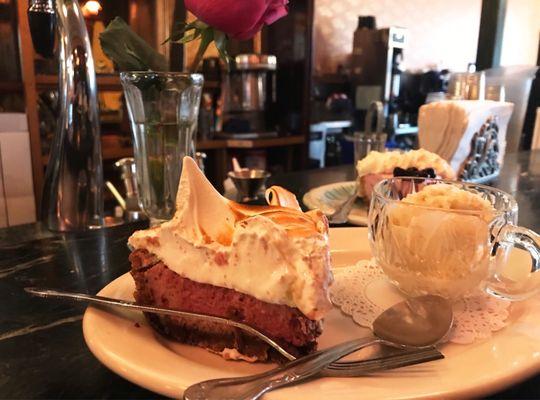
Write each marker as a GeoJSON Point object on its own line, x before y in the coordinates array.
{"type": "Point", "coordinates": [363, 292]}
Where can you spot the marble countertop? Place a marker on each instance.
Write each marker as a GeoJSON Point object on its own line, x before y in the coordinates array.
{"type": "Point", "coordinates": [43, 353]}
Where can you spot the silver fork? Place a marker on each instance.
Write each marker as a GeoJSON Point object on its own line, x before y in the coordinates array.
{"type": "Point", "coordinates": [341, 213]}
{"type": "Point", "coordinates": [351, 368]}
{"type": "Point", "coordinates": [254, 386]}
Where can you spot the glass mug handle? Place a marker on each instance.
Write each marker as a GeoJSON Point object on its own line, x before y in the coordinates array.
{"type": "Point", "coordinates": [502, 281]}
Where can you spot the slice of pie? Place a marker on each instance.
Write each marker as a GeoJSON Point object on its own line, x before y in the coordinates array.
{"type": "Point", "coordinates": [265, 266]}
{"type": "Point", "coordinates": [377, 166]}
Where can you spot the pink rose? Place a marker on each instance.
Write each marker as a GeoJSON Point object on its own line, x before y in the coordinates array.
{"type": "Point", "coordinates": [240, 19]}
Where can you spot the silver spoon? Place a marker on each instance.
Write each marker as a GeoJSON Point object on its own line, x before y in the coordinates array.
{"type": "Point", "coordinates": [414, 323]}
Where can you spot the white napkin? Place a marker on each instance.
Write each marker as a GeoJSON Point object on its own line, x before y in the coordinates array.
{"type": "Point", "coordinates": [16, 169]}
{"type": "Point", "coordinates": [447, 127]}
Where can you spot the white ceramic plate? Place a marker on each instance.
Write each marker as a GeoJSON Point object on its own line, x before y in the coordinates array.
{"type": "Point", "coordinates": [327, 197]}
{"type": "Point", "coordinates": [141, 356]}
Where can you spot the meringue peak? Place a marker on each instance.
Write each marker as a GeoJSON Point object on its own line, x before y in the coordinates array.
{"type": "Point", "coordinates": [200, 208]}
{"type": "Point", "coordinates": [210, 217]}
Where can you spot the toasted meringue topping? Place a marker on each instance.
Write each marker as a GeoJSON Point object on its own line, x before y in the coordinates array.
{"type": "Point", "coordinates": [278, 196]}
{"type": "Point", "coordinates": [275, 253]}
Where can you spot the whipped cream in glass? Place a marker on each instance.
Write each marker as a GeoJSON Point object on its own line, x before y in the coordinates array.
{"type": "Point", "coordinates": [446, 238]}
{"type": "Point", "coordinates": [431, 249]}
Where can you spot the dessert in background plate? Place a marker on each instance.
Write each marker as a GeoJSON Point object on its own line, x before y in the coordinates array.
{"type": "Point", "coordinates": [265, 266]}
{"type": "Point", "coordinates": [377, 166]}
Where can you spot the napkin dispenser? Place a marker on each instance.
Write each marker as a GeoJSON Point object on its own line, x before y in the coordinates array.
{"type": "Point", "coordinates": [469, 134]}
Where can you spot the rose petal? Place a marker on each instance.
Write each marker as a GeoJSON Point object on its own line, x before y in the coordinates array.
{"type": "Point", "coordinates": [238, 19]}
{"type": "Point", "coordinates": [276, 9]}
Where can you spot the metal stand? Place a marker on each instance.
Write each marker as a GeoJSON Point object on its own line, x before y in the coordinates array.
{"type": "Point", "coordinates": [73, 190]}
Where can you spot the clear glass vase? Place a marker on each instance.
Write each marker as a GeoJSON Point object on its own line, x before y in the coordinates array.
{"type": "Point", "coordinates": [163, 110]}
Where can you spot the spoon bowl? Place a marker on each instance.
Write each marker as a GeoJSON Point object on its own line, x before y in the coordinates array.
{"type": "Point", "coordinates": [416, 322]}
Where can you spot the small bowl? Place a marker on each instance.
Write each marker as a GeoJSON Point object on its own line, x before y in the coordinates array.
{"type": "Point", "coordinates": [248, 182]}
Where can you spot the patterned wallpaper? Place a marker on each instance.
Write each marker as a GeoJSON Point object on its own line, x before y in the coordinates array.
{"type": "Point", "coordinates": [441, 32]}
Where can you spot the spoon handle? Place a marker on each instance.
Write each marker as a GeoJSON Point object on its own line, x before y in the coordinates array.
{"type": "Point", "coordinates": [252, 387]}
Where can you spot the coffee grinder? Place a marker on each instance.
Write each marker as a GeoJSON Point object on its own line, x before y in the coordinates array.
{"type": "Point", "coordinates": [249, 97]}
{"type": "Point", "coordinates": [376, 71]}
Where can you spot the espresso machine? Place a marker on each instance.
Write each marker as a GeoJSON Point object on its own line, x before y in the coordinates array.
{"type": "Point", "coordinates": [248, 97]}
{"type": "Point", "coordinates": [376, 73]}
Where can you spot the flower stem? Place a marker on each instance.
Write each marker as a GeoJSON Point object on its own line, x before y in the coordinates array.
{"type": "Point", "coordinates": [203, 45]}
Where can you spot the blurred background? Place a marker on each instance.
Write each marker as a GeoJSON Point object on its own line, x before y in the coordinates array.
{"type": "Point", "coordinates": [294, 94]}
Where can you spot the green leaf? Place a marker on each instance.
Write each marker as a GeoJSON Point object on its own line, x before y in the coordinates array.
{"type": "Point", "coordinates": [178, 32]}
{"type": "Point", "coordinates": [133, 55]}
{"type": "Point", "coordinates": [222, 42]}
{"type": "Point", "coordinates": [128, 50]}
{"type": "Point", "coordinates": [207, 35]}
{"type": "Point", "coordinates": [200, 25]}
{"type": "Point", "coordinates": [189, 37]}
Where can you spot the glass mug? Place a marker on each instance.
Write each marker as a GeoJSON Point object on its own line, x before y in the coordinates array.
{"type": "Point", "coordinates": [365, 143]}
{"type": "Point", "coordinates": [427, 250]}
